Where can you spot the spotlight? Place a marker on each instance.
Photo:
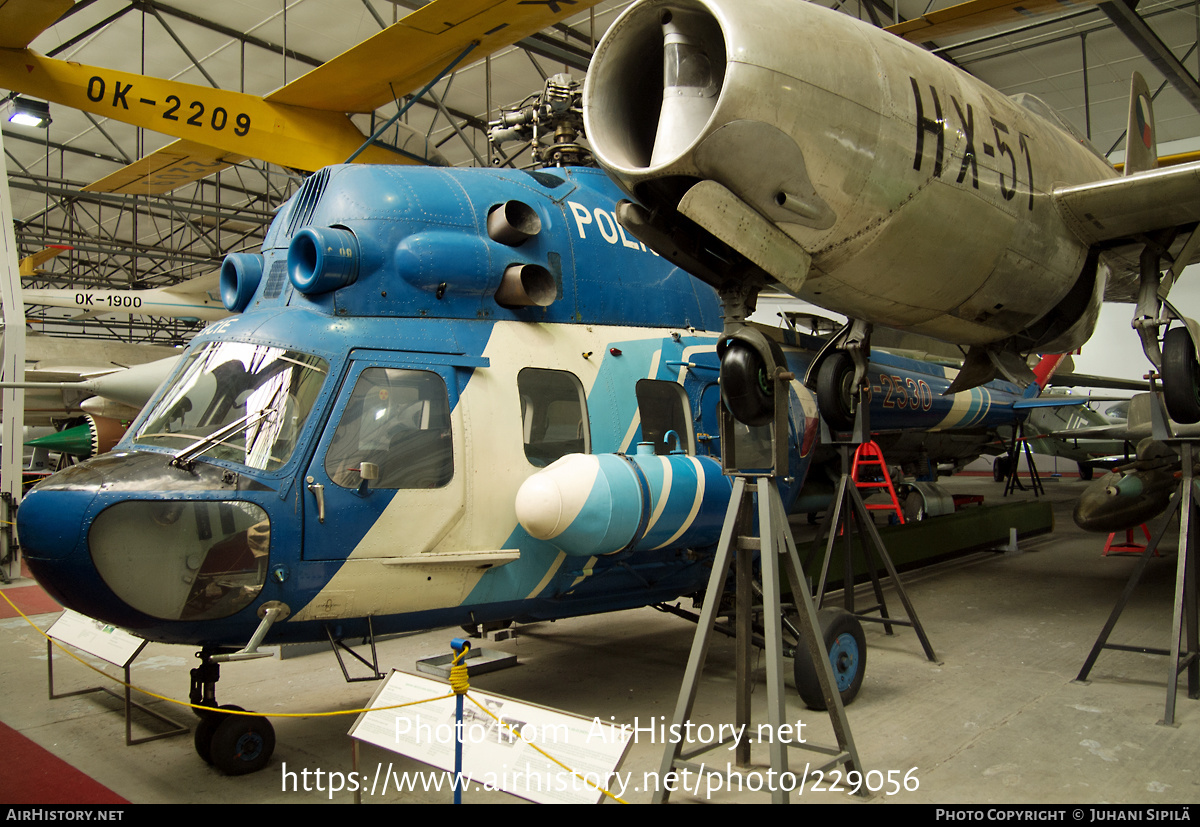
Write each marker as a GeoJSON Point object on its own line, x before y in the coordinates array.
{"type": "Point", "coordinates": [27, 112]}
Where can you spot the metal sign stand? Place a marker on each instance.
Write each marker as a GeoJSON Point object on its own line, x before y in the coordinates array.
{"type": "Point", "coordinates": [73, 628]}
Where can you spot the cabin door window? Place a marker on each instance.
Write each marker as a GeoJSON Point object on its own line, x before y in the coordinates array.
{"type": "Point", "coordinates": [666, 416]}
{"type": "Point", "coordinates": [387, 478]}
{"type": "Point", "coordinates": [399, 422]}
{"type": "Point", "coordinates": [554, 417]}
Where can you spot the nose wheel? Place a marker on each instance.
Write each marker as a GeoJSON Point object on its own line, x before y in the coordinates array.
{"type": "Point", "coordinates": [234, 744]}
{"type": "Point", "coordinates": [1181, 376]}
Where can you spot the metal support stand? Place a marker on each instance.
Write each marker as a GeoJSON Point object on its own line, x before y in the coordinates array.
{"type": "Point", "coordinates": [130, 704]}
{"type": "Point", "coordinates": [849, 517]}
{"type": "Point", "coordinates": [1184, 503]}
{"type": "Point", "coordinates": [339, 646]}
{"type": "Point", "coordinates": [1021, 445]}
{"type": "Point", "coordinates": [774, 542]}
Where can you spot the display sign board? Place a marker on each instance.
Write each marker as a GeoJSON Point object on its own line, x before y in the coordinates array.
{"type": "Point", "coordinates": [103, 640]}
{"type": "Point", "coordinates": [493, 757]}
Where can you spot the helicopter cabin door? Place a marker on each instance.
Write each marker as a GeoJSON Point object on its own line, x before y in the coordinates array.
{"type": "Point", "coordinates": [386, 479]}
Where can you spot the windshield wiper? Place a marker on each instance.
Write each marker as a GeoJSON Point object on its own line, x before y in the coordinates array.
{"type": "Point", "coordinates": [185, 458]}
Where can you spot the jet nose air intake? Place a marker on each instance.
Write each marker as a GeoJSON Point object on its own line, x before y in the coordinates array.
{"type": "Point", "coordinates": [689, 88]}
{"type": "Point", "coordinates": [652, 92]}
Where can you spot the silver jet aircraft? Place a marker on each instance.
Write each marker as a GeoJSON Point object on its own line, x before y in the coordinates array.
{"type": "Point", "coordinates": [779, 142]}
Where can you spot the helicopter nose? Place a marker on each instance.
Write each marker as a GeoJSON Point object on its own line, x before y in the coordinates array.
{"type": "Point", "coordinates": [54, 542]}
{"type": "Point", "coordinates": [49, 523]}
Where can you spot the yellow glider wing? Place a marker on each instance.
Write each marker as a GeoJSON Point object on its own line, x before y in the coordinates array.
{"type": "Point", "coordinates": [28, 266]}
{"type": "Point", "coordinates": [411, 52]}
{"type": "Point", "coordinates": [975, 15]}
{"type": "Point", "coordinates": [232, 122]}
{"type": "Point", "coordinates": [176, 164]}
{"type": "Point", "coordinates": [23, 20]}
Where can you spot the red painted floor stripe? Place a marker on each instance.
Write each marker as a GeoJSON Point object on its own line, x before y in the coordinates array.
{"type": "Point", "coordinates": [34, 776]}
{"type": "Point", "coordinates": [32, 600]}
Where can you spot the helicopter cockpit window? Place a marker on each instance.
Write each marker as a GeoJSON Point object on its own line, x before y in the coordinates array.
{"type": "Point", "coordinates": [553, 415]}
{"type": "Point", "coordinates": [398, 420]}
{"type": "Point", "coordinates": [663, 407]}
{"type": "Point", "coordinates": [250, 402]}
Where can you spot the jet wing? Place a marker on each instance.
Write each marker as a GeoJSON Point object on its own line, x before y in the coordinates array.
{"type": "Point", "coordinates": [1118, 430]}
{"type": "Point", "coordinates": [178, 163]}
{"type": "Point", "coordinates": [412, 51]}
{"type": "Point", "coordinates": [1114, 213]}
{"type": "Point", "coordinates": [1117, 209]}
{"type": "Point", "coordinates": [23, 20]}
{"type": "Point", "coordinates": [1083, 380]}
{"type": "Point", "coordinates": [198, 286]}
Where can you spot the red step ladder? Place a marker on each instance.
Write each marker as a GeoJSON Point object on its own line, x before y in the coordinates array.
{"type": "Point", "coordinates": [868, 455]}
{"type": "Point", "coordinates": [1130, 546]}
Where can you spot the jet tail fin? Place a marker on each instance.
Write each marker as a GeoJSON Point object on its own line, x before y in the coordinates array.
{"type": "Point", "coordinates": [1042, 372]}
{"type": "Point", "coordinates": [1141, 141]}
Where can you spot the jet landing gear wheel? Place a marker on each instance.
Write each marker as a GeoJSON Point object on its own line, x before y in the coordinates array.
{"type": "Point", "coordinates": [235, 744]}
{"type": "Point", "coordinates": [847, 646]}
{"type": "Point", "coordinates": [1181, 376]}
{"type": "Point", "coordinates": [836, 397]}
{"type": "Point", "coordinates": [1001, 469]}
{"type": "Point", "coordinates": [747, 386]}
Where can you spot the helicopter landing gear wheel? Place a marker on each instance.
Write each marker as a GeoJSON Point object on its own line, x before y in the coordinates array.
{"type": "Point", "coordinates": [847, 646]}
{"type": "Point", "coordinates": [1181, 376]}
{"type": "Point", "coordinates": [206, 728]}
{"type": "Point", "coordinates": [242, 744]}
{"type": "Point", "coordinates": [836, 397]}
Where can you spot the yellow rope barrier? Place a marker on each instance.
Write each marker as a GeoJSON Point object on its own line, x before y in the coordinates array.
{"type": "Point", "coordinates": [544, 753]}
{"type": "Point", "coordinates": [458, 683]}
{"type": "Point", "coordinates": [203, 708]}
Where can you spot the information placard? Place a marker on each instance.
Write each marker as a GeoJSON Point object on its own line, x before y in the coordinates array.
{"type": "Point", "coordinates": [493, 757]}
{"type": "Point", "coordinates": [103, 640]}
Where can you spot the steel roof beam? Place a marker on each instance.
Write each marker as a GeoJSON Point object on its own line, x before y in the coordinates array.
{"type": "Point", "coordinates": [1135, 29]}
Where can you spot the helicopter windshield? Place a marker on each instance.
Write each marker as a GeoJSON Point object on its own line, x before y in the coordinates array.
{"type": "Point", "coordinates": [236, 401]}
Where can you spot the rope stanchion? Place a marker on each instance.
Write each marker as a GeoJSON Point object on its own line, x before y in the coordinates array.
{"type": "Point", "coordinates": [202, 707]}
{"type": "Point", "coordinates": [459, 685]}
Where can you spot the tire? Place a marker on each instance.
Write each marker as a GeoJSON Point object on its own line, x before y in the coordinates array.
{"type": "Point", "coordinates": [1000, 469]}
{"type": "Point", "coordinates": [242, 744]}
{"type": "Point", "coordinates": [912, 503]}
{"type": "Point", "coordinates": [1181, 376]}
{"type": "Point", "coordinates": [847, 647]}
{"type": "Point", "coordinates": [205, 729]}
{"type": "Point", "coordinates": [747, 386]}
{"type": "Point", "coordinates": [1086, 472]}
{"type": "Point", "coordinates": [836, 399]}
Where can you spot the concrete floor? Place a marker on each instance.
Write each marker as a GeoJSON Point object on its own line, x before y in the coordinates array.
{"type": "Point", "coordinates": [1000, 721]}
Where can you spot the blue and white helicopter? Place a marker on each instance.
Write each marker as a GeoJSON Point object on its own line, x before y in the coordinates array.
{"type": "Point", "coordinates": [449, 396]}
